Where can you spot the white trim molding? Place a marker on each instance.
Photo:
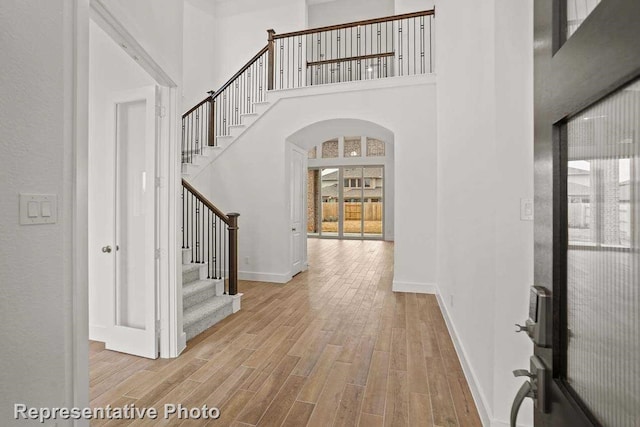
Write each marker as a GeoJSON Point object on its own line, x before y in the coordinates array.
{"type": "Point", "coordinates": [116, 30]}
{"type": "Point", "coordinates": [255, 276]}
{"type": "Point", "coordinates": [472, 379]}
{"type": "Point", "coordinates": [97, 333]}
{"type": "Point", "coordinates": [182, 342]}
{"type": "Point", "coordinates": [414, 287]}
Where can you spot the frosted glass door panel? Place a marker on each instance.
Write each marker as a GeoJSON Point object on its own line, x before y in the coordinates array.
{"type": "Point", "coordinates": [603, 261]}
{"type": "Point", "coordinates": [132, 183]}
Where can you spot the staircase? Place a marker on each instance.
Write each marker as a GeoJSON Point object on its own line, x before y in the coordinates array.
{"type": "Point", "coordinates": [204, 302]}
{"type": "Point", "coordinates": [399, 45]}
{"type": "Point", "coordinates": [203, 155]}
{"type": "Point", "coordinates": [209, 263]}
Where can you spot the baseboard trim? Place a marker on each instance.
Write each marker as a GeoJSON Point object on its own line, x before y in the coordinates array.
{"type": "Point", "coordinates": [472, 379]}
{"type": "Point", "coordinates": [97, 333]}
{"type": "Point", "coordinates": [253, 276]}
{"type": "Point", "coordinates": [182, 343]}
{"type": "Point", "coordinates": [414, 287]}
{"type": "Point", "coordinates": [498, 423]}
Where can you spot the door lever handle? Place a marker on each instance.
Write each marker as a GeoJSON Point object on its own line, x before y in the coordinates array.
{"type": "Point", "coordinates": [535, 388]}
{"type": "Point", "coordinates": [106, 249]}
{"type": "Point", "coordinates": [525, 391]}
{"type": "Point", "coordinates": [522, 373]}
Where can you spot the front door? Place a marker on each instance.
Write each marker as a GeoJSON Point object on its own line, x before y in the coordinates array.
{"type": "Point", "coordinates": [587, 216]}
{"type": "Point", "coordinates": [130, 254]}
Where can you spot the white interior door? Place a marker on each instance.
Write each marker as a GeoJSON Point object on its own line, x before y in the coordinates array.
{"type": "Point", "coordinates": [297, 170]}
{"type": "Point", "coordinates": [132, 303]}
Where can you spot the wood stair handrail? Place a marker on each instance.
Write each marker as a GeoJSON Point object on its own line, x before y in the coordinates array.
{"type": "Point", "coordinates": [356, 23]}
{"type": "Point", "coordinates": [228, 83]}
{"type": "Point", "coordinates": [351, 58]}
{"type": "Point", "coordinates": [206, 202]}
{"type": "Point", "coordinates": [242, 70]}
{"type": "Point", "coordinates": [199, 104]}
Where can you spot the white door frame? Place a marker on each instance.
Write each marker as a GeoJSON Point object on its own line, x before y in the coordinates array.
{"type": "Point", "coordinates": [168, 170]}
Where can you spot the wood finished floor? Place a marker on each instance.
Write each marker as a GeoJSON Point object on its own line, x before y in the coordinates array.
{"type": "Point", "coordinates": [334, 347]}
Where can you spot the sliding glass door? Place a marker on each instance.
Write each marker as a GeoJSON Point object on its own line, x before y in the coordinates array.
{"type": "Point", "coordinates": [349, 203]}
{"type": "Point", "coordinates": [352, 202]}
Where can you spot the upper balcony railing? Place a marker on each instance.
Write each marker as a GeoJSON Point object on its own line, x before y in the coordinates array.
{"type": "Point", "coordinates": [399, 45]}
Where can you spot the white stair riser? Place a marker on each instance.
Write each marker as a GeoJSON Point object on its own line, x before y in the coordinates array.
{"type": "Point", "coordinates": [190, 168]}
{"type": "Point", "coordinates": [195, 274]}
{"type": "Point", "coordinates": [248, 119]}
{"type": "Point", "coordinates": [213, 151]}
{"type": "Point", "coordinates": [209, 154]}
{"type": "Point", "coordinates": [186, 256]}
{"type": "Point", "coordinates": [224, 141]}
{"type": "Point", "coordinates": [236, 131]}
{"type": "Point", "coordinates": [261, 107]}
{"type": "Point", "coordinates": [198, 297]}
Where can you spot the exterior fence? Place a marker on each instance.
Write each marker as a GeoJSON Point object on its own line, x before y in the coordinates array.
{"type": "Point", "coordinates": [372, 211]}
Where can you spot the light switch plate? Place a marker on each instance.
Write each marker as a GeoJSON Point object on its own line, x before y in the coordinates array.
{"type": "Point", "coordinates": [38, 209]}
{"type": "Point", "coordinates": [526, 209]}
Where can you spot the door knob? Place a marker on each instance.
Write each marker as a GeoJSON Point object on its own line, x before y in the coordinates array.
{"type": "Point", "coordinates": [106, 249]}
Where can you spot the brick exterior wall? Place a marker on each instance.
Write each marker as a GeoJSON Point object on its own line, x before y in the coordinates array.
{"type": "Point", "coordinates": [312, 198]}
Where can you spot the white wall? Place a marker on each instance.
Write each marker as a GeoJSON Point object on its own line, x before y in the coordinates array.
{"type": "Point", "coordinates": [342, 11]}
{"type": "Point", "coordinates": [241, 30]}
{"type": "Point", "coordinates": [485, 165]}
{"type": "Point", "coordinates": [199, 59]}
{"type": "Point", "coordinates": [514, 238]}
{"type": "Point", "coordinates": [407, 6]}
{"type": "Point", "coordinates": [111, 70]}
{"type": "Point", "coordinates": [37, 268]}
{"type": "Point", "coordinates": [157, 26]}
{"type": "Point", "coordinates": [254, 175]}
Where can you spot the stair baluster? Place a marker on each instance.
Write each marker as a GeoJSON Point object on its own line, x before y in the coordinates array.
{"type": "Point", "coordinates": [212, 237]}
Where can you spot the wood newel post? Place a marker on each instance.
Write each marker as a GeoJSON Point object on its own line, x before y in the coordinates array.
{"type": "Point", "coordinates": [212, 119]}
{"type": "Point", "coordinates": [233, 253]}
{"type": "Point", "coordinates": [272, 61]}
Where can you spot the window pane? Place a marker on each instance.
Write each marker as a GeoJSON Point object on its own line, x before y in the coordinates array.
{"type": "Point", "coordinates": [375, 148]}
{"type": "Point", "coordinates": [577, 12]}
{"type": "Point", "coordinates": [373, 207]}
{"type": "Point", "coordinates": [330, 149]}
{"type": "Point", "coordinates": [352, 147]}
{"type": "Point", "coordinates": [603, 260]}
{"type": "Point", "coordinates": [352, 208]}
{"type": "Point", "coordinates": [329, 192]}
{"type": "Point", "coordinates": [313, 153]}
